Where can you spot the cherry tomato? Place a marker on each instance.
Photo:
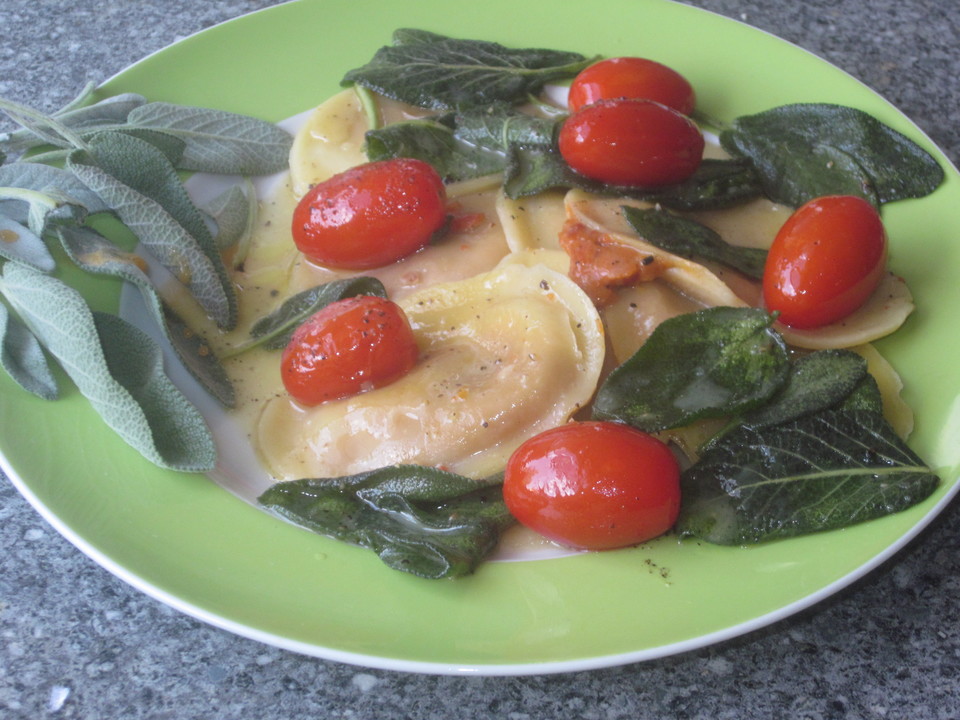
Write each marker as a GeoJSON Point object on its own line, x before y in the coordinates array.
{"type": "Point", "coordinates": [825, 261]}
{"type": "Point", "coordinates": [350, 346]}
{"type": "Point", "coordinates": [594, 485]}
{"type": "Point", "coordinates": [631, 142]}
{"type": "Point", "coordinates": [371, 215]}
{"type": "Point", "coordinates": [631, 77]}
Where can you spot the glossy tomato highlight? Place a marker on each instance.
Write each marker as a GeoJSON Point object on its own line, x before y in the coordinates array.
{"type": "Point", "coordinates": [371, 215]}
{"type": "Point", "coordinates": [631, 142]}
{"type": "Point", "coordinates": [631, 77]}
{"type": "Point", "coordinates": [350, 346]}
{"type": "Point", "coordinates": [825, 262]}
{"type": "Point", "coordinates": [594, 485]}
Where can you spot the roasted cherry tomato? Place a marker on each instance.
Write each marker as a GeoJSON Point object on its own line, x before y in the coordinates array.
{"type": "Point", "coordinates": [350, 346]}
{"type": "Point", "coordinates": [825, 261]}
{"type": "Point", "coordinates": [594, 485]}
{"type": "Point", "coordinates": [371, 215]}
{"type": "Point", "coordinates": [631, 142]}
{"type": "Point", "coordinates": [631, 77]}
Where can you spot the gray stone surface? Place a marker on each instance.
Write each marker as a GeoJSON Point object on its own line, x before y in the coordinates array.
{"type": "Point", "coordinates": [75, 642]}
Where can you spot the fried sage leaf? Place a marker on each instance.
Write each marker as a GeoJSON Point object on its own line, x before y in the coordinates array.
{"type": "Point", "coordinates": [710, 363]}
{"type": "Point", "coordinates": [441, 73]}
{"type": "Point", "coordinates": [816, 382]}
{"type": "Point", "coordinates": [716, 184]}
{"type": "Point", "coordinates": [807, 150]}
{"type": "Point", "coordinates": [821, 472]}
{"type": "Point", "coordinates": [424, 521]}
{"type": "Point", "coordinates": [273, 331]}
{"type": "Point", "coordinates": [116, 366]}
{"type": "Point", "coordinates": [435, 142]}
{"type": "Point", "coordinates": [691, 239]}
{"type": "Point", "coordinates": [462, 145]}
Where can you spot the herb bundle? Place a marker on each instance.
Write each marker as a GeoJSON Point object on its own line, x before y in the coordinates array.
{"type": "Point", "coordinates": [96, 187]}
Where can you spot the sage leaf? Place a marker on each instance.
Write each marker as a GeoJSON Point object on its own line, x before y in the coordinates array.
{"type": "Point", "coordinates": [441, 73]}
{"type": "Point", "coordinates": [217, 141]}
{"type": "Point", "coordinates": [116, 367]}
{"type": "Point", "coordinates": [95, 254]}
{"type": "Point", "coordinates": [710, 363]}
{"type": "Point", "coordinates": [461, 146]}
{"type": "Point", "coordinates": [107, 113]}
{"type": "Point", "coordinates": [821, 472]}
{"type": "Point", "coordinates": [716, 184]}
{"type": "Point", "coordinates": [864, 396]}
{"type": "Point", "coordinates": [19, 244]}
{"type": "Point", "coordinates": [58, 185]}
{"type": "Point", "coordinates": [45, 128]}
{"type": "Point", "coordinates": [816, 382]}
{"type": "Point", "coordinates": [414, 36]}
{"type": "Point", "coordinates": [424, 521]}
{"type": "Point", "coordinates": [234, 214]}
{"type": "Point", "coordinates": [429, 140]}
{"type": "Point", "coordinates": [273, 331]}
{"type": "Point", "coordinates": [22, 357]}
{"type": "Point", "coordinates": [171, 146]}
{"type": "Point", "coordinates": [807, 150]}
{"type": "Point", "coordinates": [533, 169]}
{"type": "Point", "coordinates": [691, 239]}
{"type": "Point", "coordinates": [192, 258]}
{"type": "Point", "coordinates": [498, 127]}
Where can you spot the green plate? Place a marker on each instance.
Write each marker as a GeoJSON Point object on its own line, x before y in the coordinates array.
{"type": "Point", "coordinates": [186, 541]}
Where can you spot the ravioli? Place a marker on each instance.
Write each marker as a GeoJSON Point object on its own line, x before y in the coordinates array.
{"type": "Point", "coordinates": [504, 355]}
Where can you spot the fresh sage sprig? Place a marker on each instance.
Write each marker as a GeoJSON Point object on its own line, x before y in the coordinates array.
{"type": "Point", "coordinates": [212, 141]}
{"type": "Point", "coordinates": [97, 255]}
{"type": "Point", "coordinates": [140, 185]}
{"type": "Point", "coordinates": [123, 157]}
{"type": "Point", "coordinates": [116, 366]}
{"type": "Point", "coordinates": [424, 521]}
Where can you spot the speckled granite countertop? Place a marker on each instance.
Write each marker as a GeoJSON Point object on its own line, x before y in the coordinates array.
{"type": "Point", "coordinates": [75, 642]}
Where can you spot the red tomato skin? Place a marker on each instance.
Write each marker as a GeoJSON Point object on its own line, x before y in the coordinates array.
{"type": "Point", "coordinates": [631, 142]}
{"type": "Point", "coordinates": [349, 346]}
{"type": "Point", "coordinates": [594, 485]}
{"type": "Point", "coordinates": [371, 215]}
{"type": "Point", "coordinates": [825, 262]}
{"type": "Point", "coordinates": [632, 77]}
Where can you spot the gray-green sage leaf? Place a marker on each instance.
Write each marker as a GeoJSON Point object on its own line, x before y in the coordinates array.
{"type": "Point", "coordinates": [217, 141]}
{"type": "Point", "coordinates": [95, 254]}
{"type": "Point", "coordinates": [23, 358]}
{"type": "Point", "coordinates": [117, 367]}
{"type": "Point", "coordinates": [156, 222]}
